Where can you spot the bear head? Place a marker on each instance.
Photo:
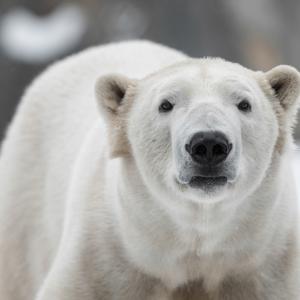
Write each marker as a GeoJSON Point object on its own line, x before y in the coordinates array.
{"type": "Point", "coordinates": [203, 129]}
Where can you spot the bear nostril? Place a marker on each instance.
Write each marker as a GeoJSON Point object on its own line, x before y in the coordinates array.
{"type": "Point", "coordinates": [200, 150]}
{"type": "Point", "coordinates": [220, 149]}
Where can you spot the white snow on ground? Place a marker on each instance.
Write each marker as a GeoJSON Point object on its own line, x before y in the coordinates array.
{"type": "Point", "coordinates": [32, 39]}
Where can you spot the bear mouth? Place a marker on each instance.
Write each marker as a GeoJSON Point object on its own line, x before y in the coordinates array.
{"type": "Point", "coordinates": [207, 182]}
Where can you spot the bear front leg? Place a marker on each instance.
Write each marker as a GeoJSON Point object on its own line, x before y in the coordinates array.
{"type": "Point", "coordinates": [73, 278]}
{"type": "Point", "coordinates": [65, 287]}
{"type": "Point", "coordinates": [66, 281]}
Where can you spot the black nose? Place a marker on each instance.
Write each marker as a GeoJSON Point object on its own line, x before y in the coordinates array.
{"type": "Point", "coordinates": [208, 147]}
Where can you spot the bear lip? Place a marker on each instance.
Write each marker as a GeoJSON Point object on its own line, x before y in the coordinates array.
{"type": "Point", "coordinates": [207, 182]}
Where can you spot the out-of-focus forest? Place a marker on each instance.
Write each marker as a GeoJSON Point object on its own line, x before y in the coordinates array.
{"type": "Point", "coordinates": [258, 33]}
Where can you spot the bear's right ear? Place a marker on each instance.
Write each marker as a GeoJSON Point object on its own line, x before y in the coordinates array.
{"type": "Point", "coordinates": [110, 92]}
{"type": "Point", "coordinates": [114, 95]}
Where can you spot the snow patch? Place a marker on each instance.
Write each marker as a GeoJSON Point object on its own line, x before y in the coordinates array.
{"type": "Point", "coordinates": [32, 39]}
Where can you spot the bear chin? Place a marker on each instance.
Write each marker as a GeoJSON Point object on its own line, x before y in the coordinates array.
{"type": "Point", "coordinates": [204, 188]}
{"type": "Point", "coordinates": [208, 183]}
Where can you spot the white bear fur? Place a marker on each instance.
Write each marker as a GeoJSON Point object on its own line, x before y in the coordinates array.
{"type": "Point", "coordinates": [82, 215]}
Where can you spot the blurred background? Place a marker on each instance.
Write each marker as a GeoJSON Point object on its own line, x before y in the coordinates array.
{"type": "Point", "coordinates": [258, 33]}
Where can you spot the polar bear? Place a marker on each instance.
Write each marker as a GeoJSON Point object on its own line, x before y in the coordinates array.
{"type": "Point", "coordinates": [132, 171]}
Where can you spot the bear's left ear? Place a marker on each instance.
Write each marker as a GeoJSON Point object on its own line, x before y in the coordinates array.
{"type": "Point", "coordinates": [114, 95]}
{"type": "Point", "coordinates": [285, 82]}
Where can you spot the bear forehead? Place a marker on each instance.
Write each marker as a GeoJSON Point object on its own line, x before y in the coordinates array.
{"type": "Point", "coordinates": [203, 72]}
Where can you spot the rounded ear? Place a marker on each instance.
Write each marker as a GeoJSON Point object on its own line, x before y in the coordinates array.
{"type": "Point", "coordinates": [114, 94]}
{"type": "Point", "coordinates": [110, 91]}
{"type": "Point", "coordinates": [285, 82]}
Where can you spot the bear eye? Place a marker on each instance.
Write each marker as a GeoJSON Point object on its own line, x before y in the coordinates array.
{"type": "Point", "coordinates": [165, 106]}
{"type": "Point", "coordinates": [244, 106]}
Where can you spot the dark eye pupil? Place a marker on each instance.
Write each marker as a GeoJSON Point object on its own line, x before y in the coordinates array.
{"type": "Point", "coordinates": [244, 106]}
{"type": "Point", "coordinates": [165, 106]}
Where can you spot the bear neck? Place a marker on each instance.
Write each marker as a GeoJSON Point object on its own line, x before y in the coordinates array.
{"type": "Point", "coordinates": [227, 234]}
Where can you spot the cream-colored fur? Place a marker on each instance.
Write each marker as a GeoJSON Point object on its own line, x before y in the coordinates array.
{"type": "Point", "coordinates": [92, 204]}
